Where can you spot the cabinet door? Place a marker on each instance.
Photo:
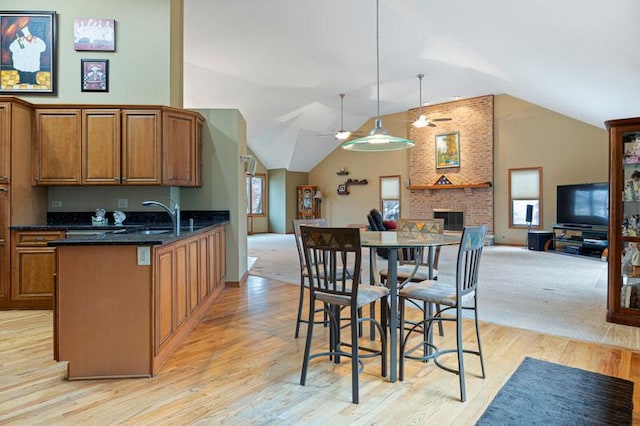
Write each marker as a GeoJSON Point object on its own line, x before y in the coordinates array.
{"type": "Point", "coordinates": [193, 275]}
{"type": "Point", "coordinates": [203, 270]}
{"type": "Point", "coordinates": [141, 147]}
{"type": "Point", "coordinates": [101, 146]}
{"type": "Point", "coordinates": [57, 153]}
{"type": "Point", "coordinates": [163, 294]}
{"type": "Point", "coordinates": [34, 273]}
{"type": "Point", "coordinates": [306, 202]}
{"type": "Point", "coordinates": [4, 242]}
{"type": "Point", "coordinates": [5, 142]}
{"type": "Point", "coordinates": [181, 283]}
{"type": "Point", "coordinates": [181, 148]}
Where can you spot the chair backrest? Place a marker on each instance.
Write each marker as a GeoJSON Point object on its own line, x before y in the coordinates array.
{"type": "Point", "coordinates": [375, 220]}
{"type": "Point", "coordinates": [296, 231]}
{"type": "Point", "coordinates": [333, 257]}
{"type": "Point", "coordinates": [426, 226]}
{"type": "Point", "coordinates": [469, 255]}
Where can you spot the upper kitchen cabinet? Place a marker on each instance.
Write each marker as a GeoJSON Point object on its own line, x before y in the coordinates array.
{"type": "Point", "coordinates": [181, 148]}
{"type": "Point", "coordinates": [113, 145]}
{"type": "Point", "coordinates": [142, 147]}
{"type": "Point", "coordinates": [100, 146]}
{"type": "Point", "coordinates": [57, 147]}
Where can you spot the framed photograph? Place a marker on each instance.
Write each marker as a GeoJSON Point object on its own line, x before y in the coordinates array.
{"type": "Point", "coordinates": [342, 189]}
{"type": "Point", "coordinates": [448, 150]}
{"type": "Point", "coordinates": [91, 34]}
{"type": "Point", "coordinates": [94, 75]}
{"type": "Point", "coordinates": [27, 52]}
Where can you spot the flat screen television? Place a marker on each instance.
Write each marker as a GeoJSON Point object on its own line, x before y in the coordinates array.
{"type": "Point", "coordinates": [584, 205]}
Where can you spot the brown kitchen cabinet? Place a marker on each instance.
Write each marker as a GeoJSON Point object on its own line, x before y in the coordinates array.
{"type": "Point", "coordinates": [186, 273]}
{"type": "Point", "coordinates": [113, 146]}
{"type": "Point", "coordinates": [4, 243]}
{"type": "Point", "coordinates": [118, 317]}
{"type": "Point", "coordinates": [58, 148]}
{"type": "Point", "coordinates": [101, 147]}
{"type": "Point", "coordinates": [33, 268]}
{"type": "Point", "coordinates": [20, 202]}
{"type": "Point", "coordinates": [141, 147]}
{"type": "Point", "coordinates": [181, 148]}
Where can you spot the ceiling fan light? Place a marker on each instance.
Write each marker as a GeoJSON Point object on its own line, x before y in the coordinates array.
{"type": "Point", "coordinates": [343, 135]}
{"type": "Point", "coordinates": [421, 122]}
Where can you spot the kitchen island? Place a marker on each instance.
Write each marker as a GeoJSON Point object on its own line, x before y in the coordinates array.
{"type": "Point", "coordinates": [124, 300]}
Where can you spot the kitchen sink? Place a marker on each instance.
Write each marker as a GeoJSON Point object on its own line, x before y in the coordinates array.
{"type": "Point", "coordinates": [155, 231]}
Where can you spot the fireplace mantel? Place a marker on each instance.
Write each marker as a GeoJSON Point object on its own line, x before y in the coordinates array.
{"type": "Point", "coordinates": [461, 186]}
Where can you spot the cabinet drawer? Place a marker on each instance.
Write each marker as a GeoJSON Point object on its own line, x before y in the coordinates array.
{"type": "Point", "coordinates": [37, 238]}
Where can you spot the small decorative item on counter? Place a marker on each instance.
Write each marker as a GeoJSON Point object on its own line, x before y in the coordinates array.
{"type": "Point", "coordinates": [119, 217]}
{"type": "Point", "coordinates": [99, 219]}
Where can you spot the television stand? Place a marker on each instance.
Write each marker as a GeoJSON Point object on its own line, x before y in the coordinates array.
{"type": "Point", "coordinates": [581, 240]}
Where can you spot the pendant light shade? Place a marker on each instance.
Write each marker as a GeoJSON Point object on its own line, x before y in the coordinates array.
{"type": "Point", "coordinates": [379, 138]}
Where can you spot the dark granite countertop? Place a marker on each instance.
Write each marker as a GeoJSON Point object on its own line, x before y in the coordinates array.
{"type": "Point", "coordinates": [131, 232]}
{"type": "Point", "coordinates": [133, 236]}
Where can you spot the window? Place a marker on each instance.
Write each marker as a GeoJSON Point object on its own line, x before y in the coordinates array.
{"type": "Point", "coordinates": [256, 195]}
{"type": "Point", "coordinates": [525, 189]}
{"type": "Point", "coordinates": [390, 197]}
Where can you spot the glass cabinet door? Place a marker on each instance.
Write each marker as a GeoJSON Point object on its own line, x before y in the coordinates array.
{"type": "Point", "coordinates": [629, 290]}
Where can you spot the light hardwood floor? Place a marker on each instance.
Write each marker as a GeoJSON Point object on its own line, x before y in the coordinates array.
{"type": "Point", "coordinates": [241, 365]}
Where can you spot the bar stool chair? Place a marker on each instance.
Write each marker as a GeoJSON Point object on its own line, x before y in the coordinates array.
{"type": "Point", "coordinates": [333, 257]}
{"type": "Point", "coordinates": [304, 273]}
{"type": "Point", "coordinates": [455, 297]}
{"type": "Point", "coordinates": [414, 265]}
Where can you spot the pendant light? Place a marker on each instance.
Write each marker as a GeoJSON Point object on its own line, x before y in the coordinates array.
{"type": "Point", "coordinates": [379, 138]}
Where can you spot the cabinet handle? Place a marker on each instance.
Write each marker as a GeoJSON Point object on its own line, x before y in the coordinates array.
{"type": "Point", "coordinates": [4, 177]}
{"type": "Point", "coordinates": [38, 238]}
{"type": "Point", "coordinates": [4, 190]}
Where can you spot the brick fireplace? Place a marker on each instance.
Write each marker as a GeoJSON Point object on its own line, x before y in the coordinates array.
{"type": "Point", "coordinates": [469, 198]}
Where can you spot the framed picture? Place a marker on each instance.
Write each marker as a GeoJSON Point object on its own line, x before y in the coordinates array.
{"type": "Point", "coordinates": [27, 52]}
{"type": "Point", "coordinates": [342, 189]}
{"type": "Point", "coordinates": [91, 34]}
{"type": "Point", "coordinates": [448, 150]}
{"type": "Point", "coordinates": [94, 75]}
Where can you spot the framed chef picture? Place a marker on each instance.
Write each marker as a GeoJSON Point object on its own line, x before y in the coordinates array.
{"type": "Point", "coordinates": [27, 52]}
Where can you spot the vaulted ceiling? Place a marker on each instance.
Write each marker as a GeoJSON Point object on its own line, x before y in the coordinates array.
{"type": "Point", "coordinates": [283, 63]}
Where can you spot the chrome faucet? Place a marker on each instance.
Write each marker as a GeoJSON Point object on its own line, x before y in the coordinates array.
{"type": "Point", "coordinates": [174, 213]}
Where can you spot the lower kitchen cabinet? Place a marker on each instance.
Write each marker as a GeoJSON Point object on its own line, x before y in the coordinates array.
{"type": "Point", "coordinates": [186, 274]}
{"type": "Point", "coordinates": [116, 316]}
{"type": "Point", "coordinates": [33, 266]}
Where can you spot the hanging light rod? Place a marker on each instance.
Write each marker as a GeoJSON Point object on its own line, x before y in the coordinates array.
{"type": "Point", "coordinates": [379, 138]}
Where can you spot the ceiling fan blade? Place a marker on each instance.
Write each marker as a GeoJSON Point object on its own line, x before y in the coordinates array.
{"type": "Point", "coordinates": [440, 119]}
{"type": "Point", "coordinates": [431, 125]}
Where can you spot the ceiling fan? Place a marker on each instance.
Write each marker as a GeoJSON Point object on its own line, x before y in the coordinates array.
{"type": "Point", "coordinates": [423, 121]}
{"type": "Point", "coordinates": [341, 135]}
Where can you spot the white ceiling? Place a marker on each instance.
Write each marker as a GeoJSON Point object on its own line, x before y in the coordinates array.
{"type": "Point", "coordinates": [283, 63]}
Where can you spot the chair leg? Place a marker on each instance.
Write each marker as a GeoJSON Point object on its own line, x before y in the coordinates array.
{"type": "Point", "coordinates": [463, 394]}
{"type": "Point", "coordinates": [440, 327]}
{"type": "Point", "coordinates": [307, 346]}
{"type": "Point", "coordinates": [401, 338]}
{"type": "Point", "coordinates": [300, 303]}
{"type": "Point", "coordinates": [475, 314]}
{"type": "Point", "coordinates": [354, 357]}
{"type": "Point", "coordinates": [383, 335]}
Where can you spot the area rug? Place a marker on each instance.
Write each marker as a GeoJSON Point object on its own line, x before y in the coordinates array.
{"type": "Point", "coordinates": [544, 393]}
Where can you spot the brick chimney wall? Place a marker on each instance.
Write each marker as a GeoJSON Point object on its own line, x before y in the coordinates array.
{"type": "Point", "coordinates": [473, 119]}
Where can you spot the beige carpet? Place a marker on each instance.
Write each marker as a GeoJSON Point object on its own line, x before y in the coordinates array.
{"type": "Point", "coordinates": [542, 291]}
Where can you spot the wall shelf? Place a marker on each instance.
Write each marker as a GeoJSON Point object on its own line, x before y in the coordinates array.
{"type": "Point", "coordinates": [462, 186]}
